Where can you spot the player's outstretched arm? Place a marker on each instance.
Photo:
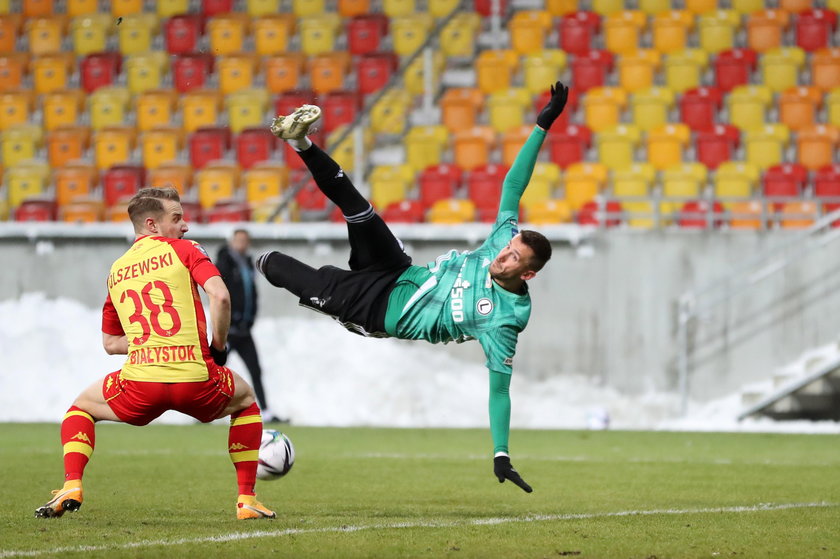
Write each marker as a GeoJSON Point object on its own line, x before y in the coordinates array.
{"type": "Point", "coordinates": [500, 429]}
{"type": "Point", "coordinates": [555, 106]}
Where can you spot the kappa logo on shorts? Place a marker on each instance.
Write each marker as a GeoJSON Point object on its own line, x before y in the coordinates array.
{"type": "Point", "coordinates": [484, 306]}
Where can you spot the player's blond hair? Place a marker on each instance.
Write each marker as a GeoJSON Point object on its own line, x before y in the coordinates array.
{"type": "Point", "coordinates": [148, 202]}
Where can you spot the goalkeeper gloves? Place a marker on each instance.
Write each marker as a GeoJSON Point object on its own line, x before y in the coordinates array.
{"type": "Point", "coordinates": [504, 470]}
{"type": "Point", "coordinates": [559, 96]}
{"type": "Point", "coordinates": [219, 355]}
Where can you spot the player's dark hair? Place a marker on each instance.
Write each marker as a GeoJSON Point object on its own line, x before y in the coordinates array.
{"type": "Point", "coordinates": [147, 202]}
{"type": "Point", "coordinates": [539, 245]}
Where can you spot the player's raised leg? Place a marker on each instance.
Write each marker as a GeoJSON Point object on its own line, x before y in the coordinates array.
{"type": "Point", "coordinates": [244, 446]}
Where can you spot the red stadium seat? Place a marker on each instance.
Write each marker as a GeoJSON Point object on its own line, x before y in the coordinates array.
{"type": "Point", "coordinates": [485, 7]}
{"type": "Point", "coordinates": [254, 145]}
{"type": "Point", "coordinates": [571, 106]}
{"type": "Point", "coordinates": [695, 214]}
{"type": "Point", "coordinates": [484, 187]}
{"type": "Point", "coordinates": [784, 181]}
{"type": "Point", "coordinates": [211, 8]}
{"type": "Point", "coordinates": [814, 28]}
{"type": "Point", "coordinates": [37, 210]}
{"type": "Point", "coordinates": [374, 70]}
{"type": "Point", "coordinates": [338, 108]}
{"type": "Point", "coordinates": [438, 182]}
{"type": "Point", "coordinates": [717, 145]}
{"type": "Point", "coordinates": [568, 145]}
{"type": "Point", "coordinates": [206, 145]}
{"type": "Point", "coordinates": [404, 211]}
{"type": "Point", "coordinates": [577, 31]}
{"type": "Point", "coordinates": [99, 69]}
{"type": "Point", "coordinates": [591, 69]}
{"type": "Point", "coordinates": [120, 182]}
{"type": "Point", "coordinates": [191, 71]}
{"type": "Point", "coordinates": [228, 212]}
{"type": "Point", "coordinates": [287, 102]}
{"type": "Point", "coordinates": [699, 107]}
{"type": "Point", "coordinates": [733, 68]}
{"type": "Point", "coordinates": [310, 198]}
{"type": "Point", "coordinates": [182, 33]}
{"type": "Point", "coordinates": [827, 182]}
{"type": "Point", "coordinates": [192, 211]}
{"type": "Point", "coordinates": [588, 213]}
{"type": "Point", "coordinates": [365, 33]}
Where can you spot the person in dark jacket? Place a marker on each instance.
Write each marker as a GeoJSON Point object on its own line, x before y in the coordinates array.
{"type": "Point", "coordinates": [237, 269]}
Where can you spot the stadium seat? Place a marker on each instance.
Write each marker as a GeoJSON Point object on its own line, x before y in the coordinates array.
{"type": "Point", "coordinates": [827, 183]}
{"type": "Point", "coordinates": [735, 180]}
{"type": "Point", "coordinates": [318, 34]}
{"type": "Point", "coordinates": [283, 71]}
{"type": "Point", "coordinates": [90, 33]}
{"type": "Point", "coordinates": [226, 34]}
{"type": "Point", "coordinates": [717, 30]}
{"type": "Point", "coordinates": [609, 213]}
{"type": "Point", "coordinates": [798, 107]}
{"type": "Point", "coordinates": [108, 106]}
{"type": "Point", "coordinates": [451, 211]}
{"type": "Point", "coordinates": [748, 105]}
{"type": "Point", "coordinates": [155, 108]}
{"type": "Point", "coordinates": [264, 183]}
{"type": "Point", "coordinates": [622, 31]}
{"type": "Point", "coordinates": [486, 7]}
{"type": "Point", "coordinates": [698, 7]}
{"type": "Point", "coordinates": [650, 107]}
{"type": "Point", "coordinates": [13, 67]}
{"type": "Point", "coordinates": [73, 182]}
{"type": "Point", "coordinates": [684, 69]}
{"type": "Point", "coordinates": [542, 68]}
{"type": "Point", "coordinates": [814, 28]}
{"type": "Point", "coordinates": [471, 148]}
{"type": "Point", "coordinates": [135, 33]}
{"type": "Point", "coordinates": [51, 72]}
{"type": "Point", "coordinates": [120, 183]}
{"type": "Point", "coordinates": [37, 8]}
{"type": "Point", "coordinates": [766, 29]}
{"type": "Point", "coordinates": [181, 33]}
{"type": "Point", "coordinates": [143, 73]}
{"type": "Point", "coordinates": [816, 145]}
{"type": "Point", "coordinates": [365, 33]}
{"type": "Point", "coordinates": [390, 113]}
{"type": "Point", "coordinates": [747, 7]}
{"type": "Point", "coordinates": [616, 145]}
{"type": "Point", "coordinates": [338, 108]}
{"type": "Point", "coordinates": [780, 67]}
{"type": "Point", "coordinates": [36, 210]}
{"type": "Point", "coordinates": [374, 70]}
{"type": "Point", "coordinates": [700, 214]}
{"type": "Point", "coordinates": [409, 32]}
{"type": "Point", "coordinates": [253, 145]}
{"type": "Point", "coordinates": [160, 145]}
{"type": "Point", "coordinates": [484, 188]}
{"type": "Point", "coordinates": [784, 182]}
{"type": "Point", "coordinates": [577, 32]}
{"type": "Point", "coordinates": [583, 181]}
{"type": "Point", "coordinates": [506, 108]}
{"type": "Point", "coordinates": [603, 106]}
{"type": "Point", "coordinates": [81, 211]}
{"type": "Point", "coordinates": [765, 146]}
{"type": "Point", "coordinates": [246, 108]}
{"type": "Point", "coordinates": [235, 72]}
{"type": "Point", "coordinates": [717, 145]}
{"type": "Point", "coordinates": [544, 180]}
{"type": "Point", "coordinates": [176, 175]}
{"type": "Point", "coordinates": [25, 180]}
{"type": "Point", "coordinates": [654, 7]}
{"type": "Point", "coordinates": [16, 106]}
{"type": "Point", "coordinates": [636, 69]}
{"type": "Point", "coordinates": [67, 143]}
{"type": "Point", "coordinates": [670, 30]}
{"type": "Point", "coordinates": [799, 214]}
{"type": "Point", "coordinates": [206, 145]}
{"type": "Point", "coordinates": [665, 145]}
{"type": "Point", "coordinates": [733, 68]}
{"type": "Point", "coordinates": [528, 30]}
{"type": "Point", "coordinates": [607, 7]}
{"type": "Point", "coordinates": [272, 34]}
{"type": "Point", "coordinates": [747, 214]}
{"type": "Point", "coordinates": [699, 107]}
{"type": "Point", "coordinates": [548, 212]}
{"type": "Point", "coordinates": [228, 211]}
{"type": "Point", "coordinates": [214, 185]}
{"type": "Point", "coordinates": [460, 107]}
{"type": "Point", "coordinates": [568, 145]}
{"type": "Point", "coordinates": [424, 145]}
{"type": "Point", "coordinates": [458, 36]}
{"type": "Point", "coordinates": [20, 143]}
{"type": "Point", "coordinates": [327, 71]}
{"type": "Point", "coordinates": [442, 8]}
{"type": "Point", "coordinates": [126, 7]}
{"type": "Point", "coordinates": [170, 8]}
{"type": "Point", "coordinates": [414, 74]}
{"type": "Point", "coordinates": [832, 102]}
{"type": "Point", "coordinates": [391, 183]}
{"type": "Point", "coordinates": [680, 183]}
{"type": "Point", "coordinates": [62, 108]}
{"type": "Point", "coordinates": [98, 70]}
{"type": "Point", "coordinates": [191, 71]}
{"type": "Point", "coordinates": [512, 142]}
{"type": "Point", "coordinates": [825, 69]}
{"type": "Point", "coordinates": [199, 108]}
{"type": "Point", "coordinates": [633, 181]}
{"type": "Point", "coordinates": [211, 8]}
{"type": "Point", "coordinates": [45, 34]}
{"type": "Point", "coordinates": [438, 182]}
{"type": "Point", "coordinates": [494, 69]}
{"type": "Point", "coordinates": [591, 70]}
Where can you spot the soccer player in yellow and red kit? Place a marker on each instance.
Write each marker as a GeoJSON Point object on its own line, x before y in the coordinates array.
{"type": "Point", "coordinates": [153, 314]}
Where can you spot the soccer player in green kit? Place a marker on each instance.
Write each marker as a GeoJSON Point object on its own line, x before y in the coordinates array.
{"type": "Point", "coordinates": [480, 294]}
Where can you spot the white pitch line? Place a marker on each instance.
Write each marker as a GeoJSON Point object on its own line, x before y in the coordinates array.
{"type": "Point", "coordinates": [762, 507]}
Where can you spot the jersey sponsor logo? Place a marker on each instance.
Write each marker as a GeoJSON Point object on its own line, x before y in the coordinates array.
{"type": "Point", "coordinates": [80, 437]}
{"type": "Point", "coordinates": [138, 269]}
{"type": "Point", "coordinates": [484, 306]}
{"type": "Point", "coordinates": [165, 354]}
{"type": "Point", "coordinates": [456, 296]}
{"type": "Point", "coordinates": [508, 361]}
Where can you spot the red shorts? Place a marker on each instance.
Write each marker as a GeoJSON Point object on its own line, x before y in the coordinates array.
{"type": "Point", "coordinates": [138, 403]}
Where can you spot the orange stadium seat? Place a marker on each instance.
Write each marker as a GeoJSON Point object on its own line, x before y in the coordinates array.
{"type": "Point", "coordinates": [747, 214]}
{"type": "Point", "coordinates": [226, 34]}
{"type": "Point", "coordinates": [37, 8]}
{"type": "Point", "coordinates": [262, 184]}
{"type": "Point", "coordinates": [603, 107]}
{"type": "Point", "coordinates": [766, 29]}
{"type": "Point", "coordinates": [351, 8]}
{"type": "Point", "coordinates": [200, 108]}
{"type": "Point", "coordinates": [471, 148]}
{"type": "Point", "coordinates": [51, 72]}
{"type": "Point", "coordinates": [160, 146]}
{"type": "Point", "coordinates": [327, 72]}
{"type": "Point", "coordinates": [825, 68]}
{"type": "Point", "coordinates": [283, 71]}
{"type": "Point", "coordinates": [175, 175]}
{"type": "Point", "coordinates": [62, 108]}
{"type": "Point", "coordinates": [67, 143]}
{"type": "Point", "coordinates": [799, 214]}
{"type": "Point", "coordinates": [155, 108]}
{"type": "Point", "coordinates": [622, 31]}
{"type": "Point", "coordinates": [15, 108]}
{"type": "Point", "coordinates": [670, 30]}
{"type": "Point", "coordinates": [73, 182]}
{"type": "Point", "coordinates": [796, 6]}
{"type": "Point", "coordinates": [816, 145]}
{"type": "Point", "coordinates": [13, 67]}
{"type": "Point", "coordinates": [126, 7]}
{"type": "Point", "coordinates": [81, 211]}
{"type": "Point", "coordinates": [236, 72]}
{"type": "Point", "coordinates": [798, 107]}
{"type": "Point", "coordinates": [272, 34]}
{"type": "Point", "coordinates": [112, 145]}
{"type": "Point", "coordinates": [45, 34]}
{"type": "Point", "coordinates": [512, 141]}
{"type": "Point", "coordinates": [494, 69]}
{"type": "Point", "coordinates": [636, 70]}
{"type": "Point", "coordinates": [451, 211]}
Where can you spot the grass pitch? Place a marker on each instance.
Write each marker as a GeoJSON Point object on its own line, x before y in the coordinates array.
{"type": "Point", "coordinates": [169, 491]}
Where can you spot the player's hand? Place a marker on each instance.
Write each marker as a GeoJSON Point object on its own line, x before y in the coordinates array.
{"type": "Point", "coordinates": [504, 470]}
{"type": "Point", "coordinates": [219, 355]}
{"type": "Point", "coordinates": [555, 106]}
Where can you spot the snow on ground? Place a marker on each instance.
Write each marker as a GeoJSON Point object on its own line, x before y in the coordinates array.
{"type": "Point", "coordinates": [318, 374]}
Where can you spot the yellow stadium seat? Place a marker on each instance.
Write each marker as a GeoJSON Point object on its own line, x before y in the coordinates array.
{"type": "Point", "coordinates": [450, 211]}
{"type": "Point", "coordinates": [50, 72]}
{"type": "Point", "coordinates": [472, 147]}
{"type": "Point", "coordinates": [633, 181]}
{"type": "Point", "coordinates": [112, 145]}
{"type": "Point", "coordinates": [261, 8]}
{"type": "Point", "coordinates": [765, 146]}
{"type": "Point", "coordinates": [24, 181]}
{"type": "Point", "coordinates": [327, 72]}
{"type": "Point", "coordinates": [45, 34]}
{"type": "Point", "coordinates": [458, 36]}
{"type": "Point", "coordinates": [424, 146]}
{"type": "Point", "coordinates": [126, 7]}
{"type": "Point", "coordinates": [344, 147]}
{"type": "Point", "coordinates": [215, 185]}
{"type": "Point", "coordinates": [701, 6]}
{"type": "Point", "coordinates": [283, 71]}
{"type": "Point", "coordinates": [548, 212]}
{"type": "Point", "coordinates": [168, 8]}
{"type": "Point", "coordinates": [135, 34]}
{"type": "Point", "coordinates": [246, 109]}
{"type": "Point", "coordinates": [73, 182]}
{"type": "Point", "coordinates": [62, 108]}
{"type": "Point", "coordinates": [735, 179]}
{"type": "Point", "coordinates": [20, 143]}
{"type": "Point", "coordinates": [460, 107]}
{"type": "Point", "coordinates": [236, 72]}
{"type": "Point", "coordinates": [746, 7]}
{"type": "Point", "coordinates": [200, 108]}
{"type": "Point", "coordinates": [654, 7]}
{"type": "Point", "coordinates": [636, 70]}
{"type": "Point", "coordinates": [389, 115]}
{"type": "Point", "coordinates": [816, 145]}
{"type": "Point", "coordinates": [544, 180]}
{"type": "Point", "coordinates": [832, 102]}
{"type": "Point", "coordinates": [766, 29]}
{"type": "Point", "coordinates": [622, 31]}
{"type": "Point", "coordinates": [684, 69]}
{"type": "Point", "coordinates": [748, 105]}
{"type": "Point", "coordinates": [442, 8]}
{"type": "Point", "coordinates": [160, 146]}
{"type": "Point", "coordinates": [665, 145]}
{"type": "Point", "coordinates": [414, 77]}
{"type": "Point", "coordinates": [617, 145]}
{"type": "Point", "coordinates": [398, 8]}
{"type": "Point", "coordinates": [799, 214]}
{"type": "Point", "coordinates": [583, 181]}
{"type": "Point", "coordinates": [173, 174]}
{"type": "Point", "coordinates": [603, 107]}
{"type": "Point", "coordinates": [227, 34]}
{"type": "Point", "coordinates": [717, 30]}
{"type": "Point", "coordinates": [90, 33]}
{"type": "Point", "coordinates": [155, 108]}
{"type": "Point", "coordinates": [318, 33]}
{"type": "Point", "coordinates": [15, 108]}
{"type": "Point", "coordinates": [542, 68]}
{"type": "Point", "coordinates": [507, 108]}
{"type": "Point", "coordinates": [682, 182]}
{"type": "Point", "coordinates": [272, 33]}
{"type": "Point", "coordinates": [607, 7]}
{"type": "Point", "coordinates": [81, 7]}
{"type": "Point", "coordinates": [512, 141]}
{"type": "Point", "coordinates": [780, 67]}
{"type": "Point", "coordinates": [528, 29]}
{"type": "Point", "coordinates": [494, 69]}
{"type": "Point", "coordinates": [798, 107]}
{"type": "Point", "coordinates": [409, 32]}
{"type": "Point", "coordinates": [265, 183]}
{"type": "Point", "coordinates": [670, 30]}
{"type": "Point", "coordinates": [108, 106]}
{"type": "Point", "coordinates": [390, 183]}
{"type": "Point", "coordinates": [143, 73]}
{"type": "Point", "coordinates": [650, 107]}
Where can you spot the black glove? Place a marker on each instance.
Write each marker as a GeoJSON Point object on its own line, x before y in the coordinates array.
{"type": "Point", "coordinates": [559, 96]}
{"type": "Point", "coordinates": [504, 470]}
{"type": "Point", "coordinates": [219, 355]}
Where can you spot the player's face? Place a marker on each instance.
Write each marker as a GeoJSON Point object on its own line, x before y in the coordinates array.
{"type": "Point", "coordinates": [171, 224]}
{"type": "Point", "coordinates": [513, 261]}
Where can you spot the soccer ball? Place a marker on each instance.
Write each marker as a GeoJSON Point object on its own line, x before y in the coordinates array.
{"type": "Point", "coordinates": [277, 455]}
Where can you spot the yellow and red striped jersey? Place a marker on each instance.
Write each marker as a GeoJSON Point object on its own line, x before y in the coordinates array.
{"type": "Point", "coordinates": [153, 299]}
